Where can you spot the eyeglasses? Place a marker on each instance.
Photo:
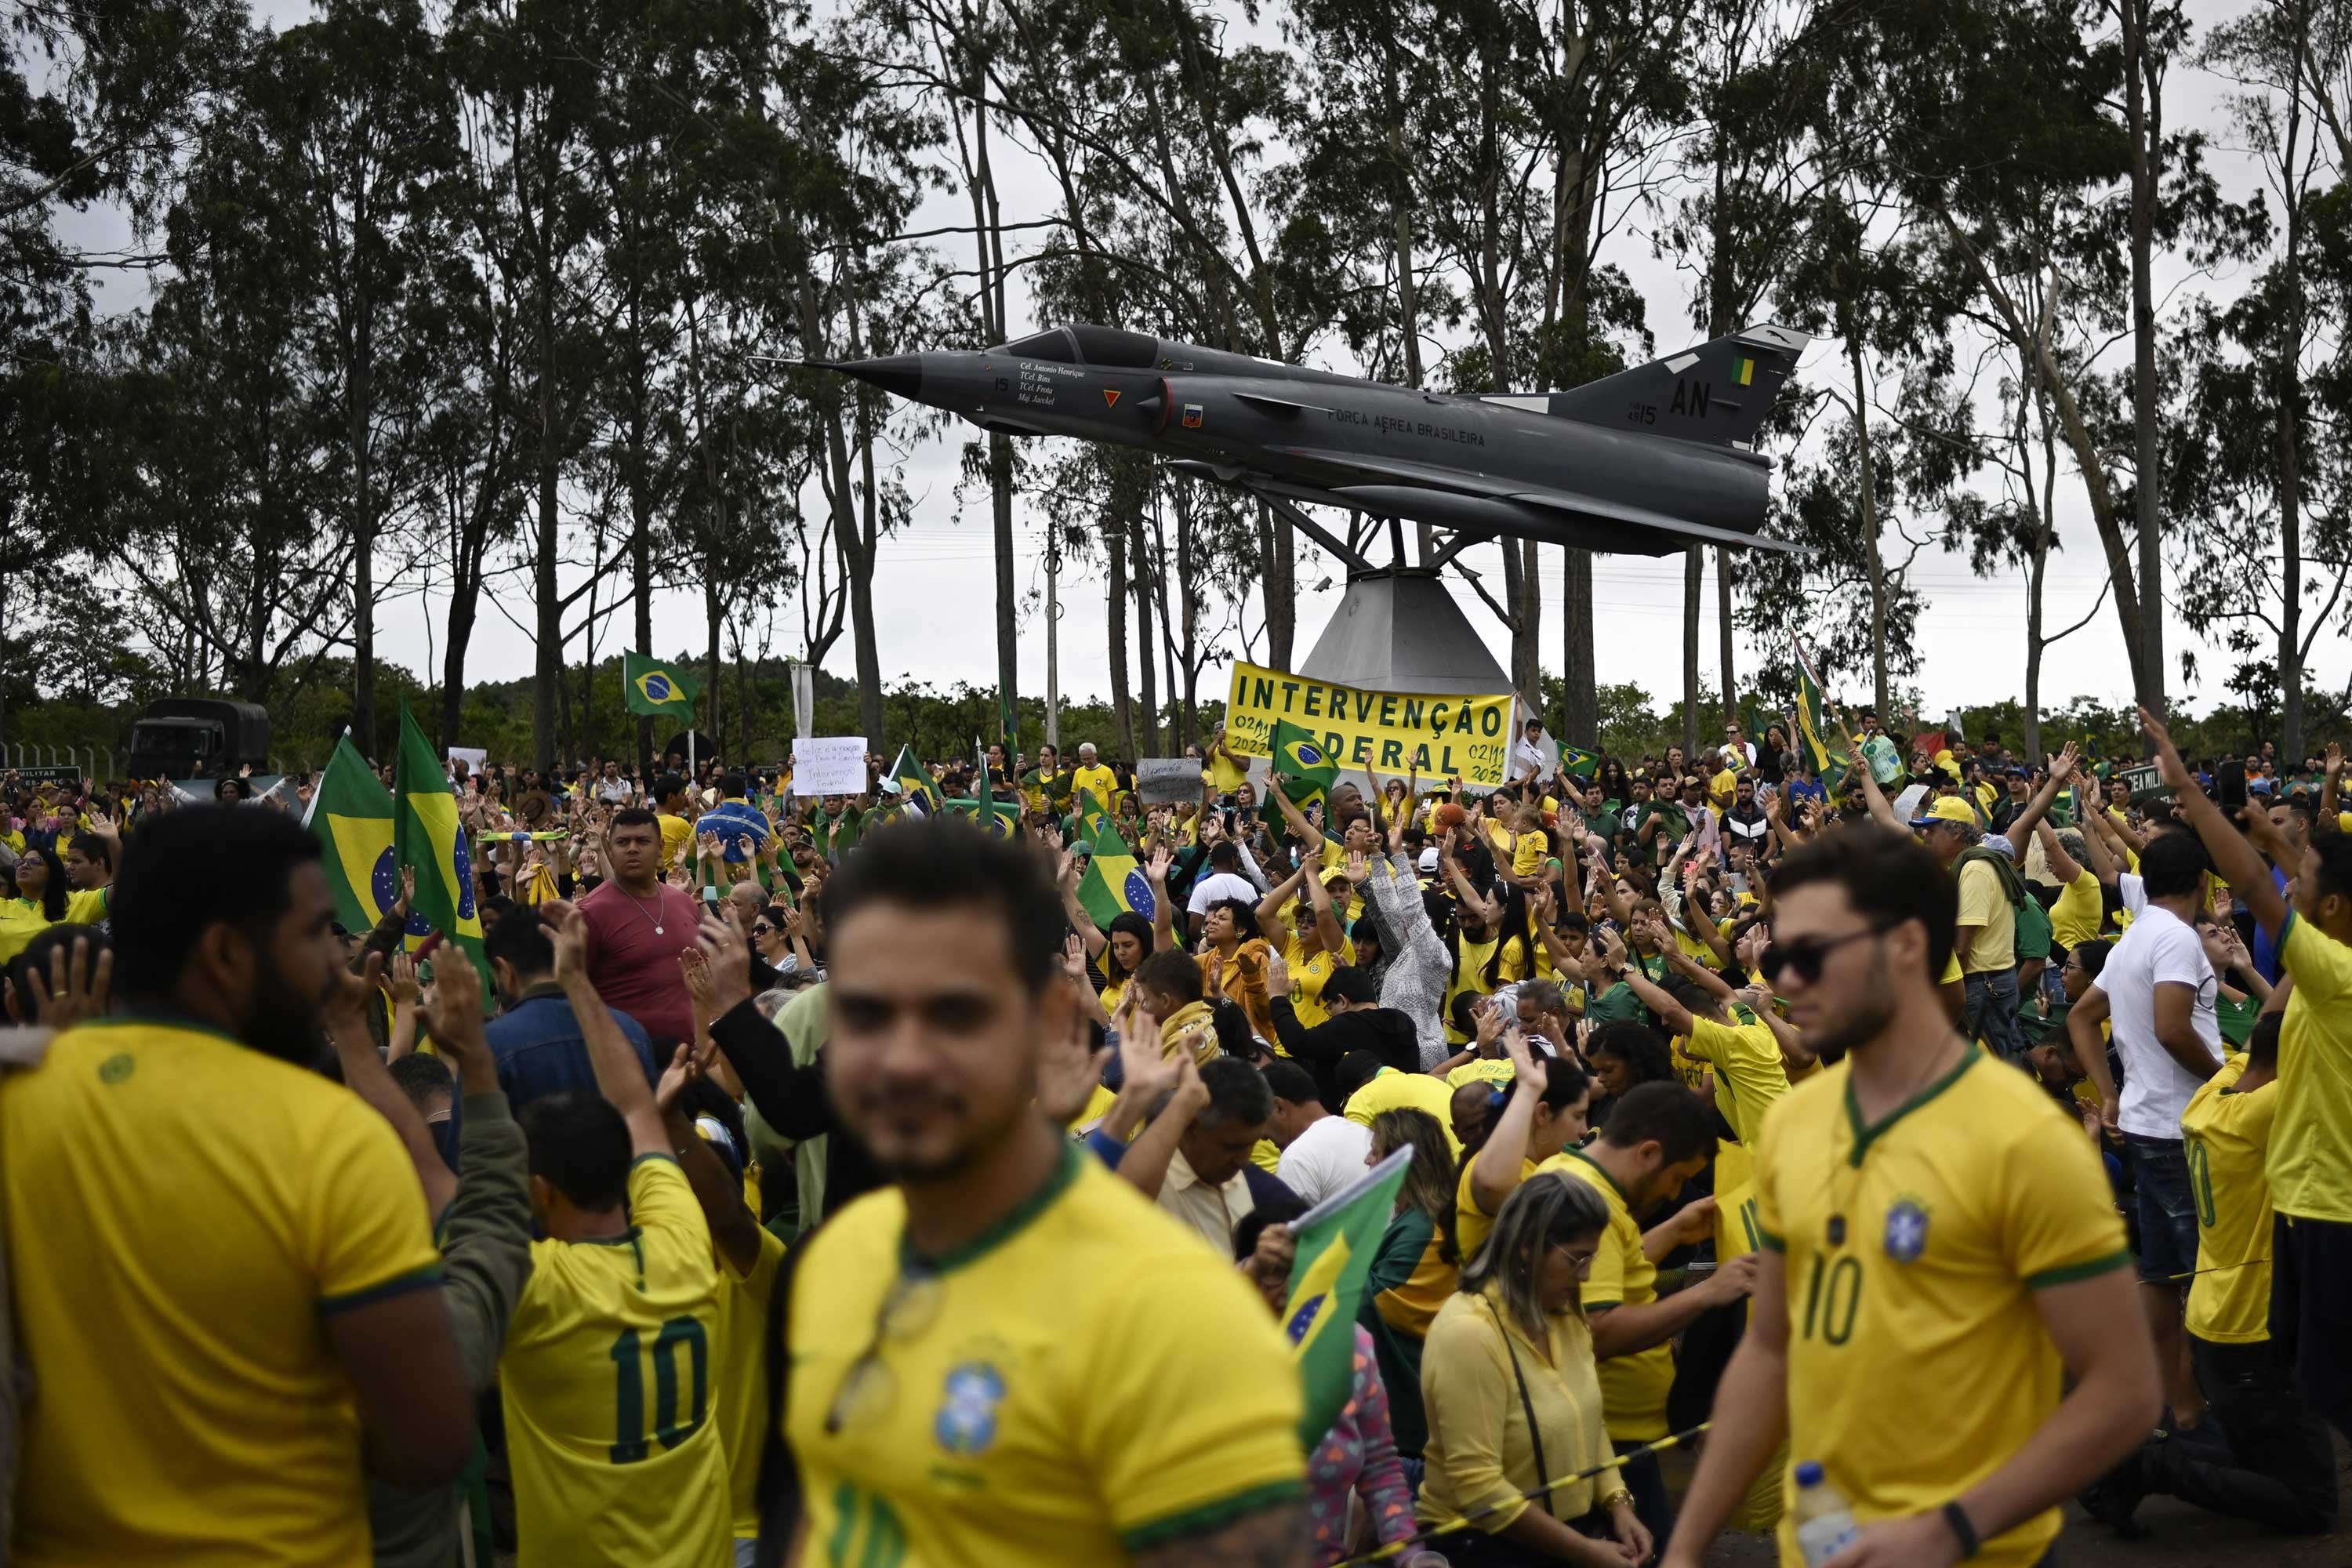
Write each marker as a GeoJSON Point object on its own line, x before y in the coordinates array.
{"type": "Point", "coordinates": [760, 929]}
{"type": "Point", "coordinates": [868, 1387]}
{"type": "Point", "coordinates": [1582, 1260]}
{"type": "Point", "coordinates": [1807, 956]}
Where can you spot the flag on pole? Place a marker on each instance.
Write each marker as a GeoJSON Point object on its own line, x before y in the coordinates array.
{"type": "Point", "coordinates": [913, 781]}
{"type": "Point", "coordinates": [1114, 885]}
{"type": "Point", "coordinates": [1002, 817]}
{"type": "Point", "coordinates": [1826, 755]}
{"type": "Point", "coordinates": [1310, 771]}
{"type": "Point", "coordinates": [657, 688]}
{"type": "Point", "coordinates": [350, 813]}
{"type": "Point", "coordinates": [426, 836]}
{"type": "Point", "coordinates": [1334, 1244]}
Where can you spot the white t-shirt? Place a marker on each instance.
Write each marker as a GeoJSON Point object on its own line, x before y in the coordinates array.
{"type": "Point", "coordinates": [2160, 948]}
{"type": "Point", "coordinates": [1325, 1158]}
{"type": "Point", "coordinates": [1218, 885]}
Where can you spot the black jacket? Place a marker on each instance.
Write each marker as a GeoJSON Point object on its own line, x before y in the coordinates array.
{"type": "Point", "coordinates": [1386, 1032]}
{"type": "Point", "coordinates": [792, 1099]}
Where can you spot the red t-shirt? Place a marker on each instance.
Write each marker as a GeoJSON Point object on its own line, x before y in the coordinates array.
{"type": "Point", "coordinates": [634, 966]}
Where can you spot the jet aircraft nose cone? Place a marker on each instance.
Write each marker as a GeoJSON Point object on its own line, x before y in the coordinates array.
{"type": "Point", "coordinates": [900, 374]}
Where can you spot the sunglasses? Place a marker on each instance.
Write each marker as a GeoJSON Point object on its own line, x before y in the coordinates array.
{"type": "Point", "coordinates": [868, 1388]}
{"type": "Point", "coordinates": [1806, 956]}
{"type": "Point", "coordinates": [760, 927]}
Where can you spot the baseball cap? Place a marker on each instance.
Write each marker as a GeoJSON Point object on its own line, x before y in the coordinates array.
{"type": "Point", "coordinates": [1949, 808]}
{"type": "Point", "coordinates": [1999, 846]}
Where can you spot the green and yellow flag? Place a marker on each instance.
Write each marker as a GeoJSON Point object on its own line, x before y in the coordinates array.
{"type": "Point", "coordinates": [1114, 885]}
{"type": "Point", "coordinates": [913, 781]}
{"type": "Point", "coordinates": [1577, 762]}
{"type": "Point", "coordinates": [1827, 756]}
{"type": "Point", "coordinates": [1308, 770]}
{"type": "Point", "coordinates": [351, 816]}
{"type": "Point", "coordinates": [426, 836]}
{"type": "Point", "coordinates": [657, 688]}
{"type": "Point", "coordinates": [1335, 1241]}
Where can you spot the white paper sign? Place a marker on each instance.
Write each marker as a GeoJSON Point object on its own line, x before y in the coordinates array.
{"type": "Point", "coordinates": [829, 764]}
{"type": "Point", "coordinates": [1168, 781]}
{"type": "Point", "coordinates": [472, 756]}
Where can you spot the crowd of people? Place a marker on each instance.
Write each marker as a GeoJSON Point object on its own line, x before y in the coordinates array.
{"type": "Point", "coordinates": [839, 1181]}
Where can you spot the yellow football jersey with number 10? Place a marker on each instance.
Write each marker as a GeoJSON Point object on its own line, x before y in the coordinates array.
{"type": "Point", "coordinates": [1913, 1250]}
{"type": "Point", "coordinates": [607, 1377]}
{"type": "Point", "coordinates": [1084, 1381]}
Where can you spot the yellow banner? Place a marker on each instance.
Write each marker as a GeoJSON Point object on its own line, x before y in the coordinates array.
{"type": "Point", "coordinates": [1390, 731]}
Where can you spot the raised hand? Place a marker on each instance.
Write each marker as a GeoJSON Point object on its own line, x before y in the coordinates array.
{"type": "Point", "coordinates": [73, 991]}
{"type": "Point", "coordinates": [452, 1014]}
{"type": "Point", "coordinates": [402, 982]}
{"type": "Point", "coordinates": [1155, 869]}
{"type": "Point", "coordinates": [1278, 974]}
{"type": "Point", "coordinates": [568, 930]}
{"type": "Point", "coordinates": [1360, 867]}
{"type": "Point", "coordinates": [1074, 958]}
{"type": "Point", "coordinates": [727, 957]}
{"type": "Point", "coordinates": [677, 1077]}
{"type": "Point", "coordinates": [2168, 765]}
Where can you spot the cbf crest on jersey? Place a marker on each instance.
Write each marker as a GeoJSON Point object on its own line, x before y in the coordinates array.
{"type": "Point", "coordinates": [1907, 1231]}
{"type": "Point", "coordinates": [966, 1423]}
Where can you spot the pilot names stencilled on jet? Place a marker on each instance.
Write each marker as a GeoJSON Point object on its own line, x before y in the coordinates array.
{"type": "Point", "coordinates": [1391, 425]}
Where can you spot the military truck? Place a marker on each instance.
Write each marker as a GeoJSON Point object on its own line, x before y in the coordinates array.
{"type": "Point", "coordinates": [199, 737]}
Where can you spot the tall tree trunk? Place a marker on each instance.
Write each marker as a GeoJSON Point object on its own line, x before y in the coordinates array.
{"type": "Point", "coordinates": [1580, 697]}
{"type": "Point", "coordinates": [1008, 599]}
{"type": "Point", "coordinates": [1122, 704]}
{"type": "Point", "coordinates": [1693, 571]}
{"type": "Point", "coordinates": [1527, 654]}
{"type": "Point", "coordinates": [1874, 561]}
{"type": "Point", "coordinates": [546, 687]}
{"type": "Point", "coordinates": [364, 530]}
{"type": "Point", "coordinates": [2140, 117]}
{"type": "Point", "coordinates": [1723, 636]}
{"type": "Point", "coordinates": [1281, 586]}
{"type": "Point", "coordinates": [2286, 377]}
{"type": "Point", "coordinates": [1143, 567]}
{"type": "Point", "coordinates": [641, 564]}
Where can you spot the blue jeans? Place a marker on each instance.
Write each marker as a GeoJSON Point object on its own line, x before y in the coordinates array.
{"type": "Point", "coordinates": [2168, 1214]}
{"type": "Point", "coordinates": [1990, 1013]}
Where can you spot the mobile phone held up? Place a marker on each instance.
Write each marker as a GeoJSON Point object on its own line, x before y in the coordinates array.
{"type": "Point", "coordinates": [2230, 786]}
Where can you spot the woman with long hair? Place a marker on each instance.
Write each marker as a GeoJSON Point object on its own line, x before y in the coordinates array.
{"type": "Point", "coordinates": [1513, 1396]}
{"type": "Point", "coordinates": [1412, 1274]}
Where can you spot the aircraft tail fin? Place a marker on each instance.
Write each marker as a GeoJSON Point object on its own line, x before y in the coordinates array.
{"type": "Point", "coordinates": [1719, 391]}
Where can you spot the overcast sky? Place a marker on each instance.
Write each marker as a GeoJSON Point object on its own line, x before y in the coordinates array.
{"type": "Point", "coordinates": [934, 592]}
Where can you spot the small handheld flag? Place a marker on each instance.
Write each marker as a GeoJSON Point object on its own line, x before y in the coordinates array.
{"type": "Point", "coordinates": [1308, 770]}
{"type": "Point", "coordinates": [1334, 1244]}
{"type": "Point", "coordinates": [351, 816]}
{"type": "Point", "coordinates": [1114, 885]}
{"type": "Point", "coordinates": [427, 835]}
{"type": "Point", "coordinates": [914, 780]}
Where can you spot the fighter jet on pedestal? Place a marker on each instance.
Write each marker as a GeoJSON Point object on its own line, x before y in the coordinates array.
{"type": "Point", "coordinates": [1647, 461]}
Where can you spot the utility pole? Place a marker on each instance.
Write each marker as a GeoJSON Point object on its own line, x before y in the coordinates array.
{"type": "Point", "coordinates": [1054, 636]}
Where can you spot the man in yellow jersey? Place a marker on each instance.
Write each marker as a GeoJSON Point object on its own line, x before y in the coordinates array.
{"type": "Point", "coordinates": [225, 1284]}
{"type": "Point", "coordinates": [675, 812]}
{"type": "Point", "coordinates": [1009, 1356]}
{"type": "Point", "coordinates": [608, 1360]}
{"type": "Point", "coordinates": [2278, 1467]}
{"type": "Point", "coordinates": [1091, 777]}
{"type": "Point", "coordinates": [1931, 1223]}
{"type": "Point", "coordinates": [1548, 1100]}
{"type": "Point", "coordinates": [2310, 1161]}
{"type": "Point", "coordinates": [1656, 1139]}
{"type": "Point", "coordinates": [1751, 1070]}
{"type": "Point", "coordinates": [748, 1258]}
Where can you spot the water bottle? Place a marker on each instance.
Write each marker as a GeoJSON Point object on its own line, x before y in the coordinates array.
{"type": "Point", "coordinates": [1825, 1525]}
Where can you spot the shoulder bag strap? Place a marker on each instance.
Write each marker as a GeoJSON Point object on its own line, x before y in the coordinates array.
{"type": "Point", "coordinates": [1527, 1406]}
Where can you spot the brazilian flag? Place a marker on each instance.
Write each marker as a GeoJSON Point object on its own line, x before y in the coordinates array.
{"type": "Point", "coordinates": [427, 835]}
{"type": "Point", "coordinates": [1579, 763]}
{"type": "Point", "coordinates": [1334, 1242]}
{"type": "Point", "coordinates": [1308, 770]}
{"type": "Point", "coordinates": [1827, 757]}
{"type": "Point", "coordinates": [351, 816]}
{"type": "Point", "coordinates": [658, 688]}
{"type": "Point", "coordinates": [1114, 885]}
{"type": "Point", "coordinates": [913, 781]}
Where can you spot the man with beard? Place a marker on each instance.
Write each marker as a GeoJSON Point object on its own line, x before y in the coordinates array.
{"type": "Point", "coordinates": [1931, 1222]}
{"type": "Point", "coordinates": [1009, 1356]}
{"type": "Point", "coordinates": [225, 1282]}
